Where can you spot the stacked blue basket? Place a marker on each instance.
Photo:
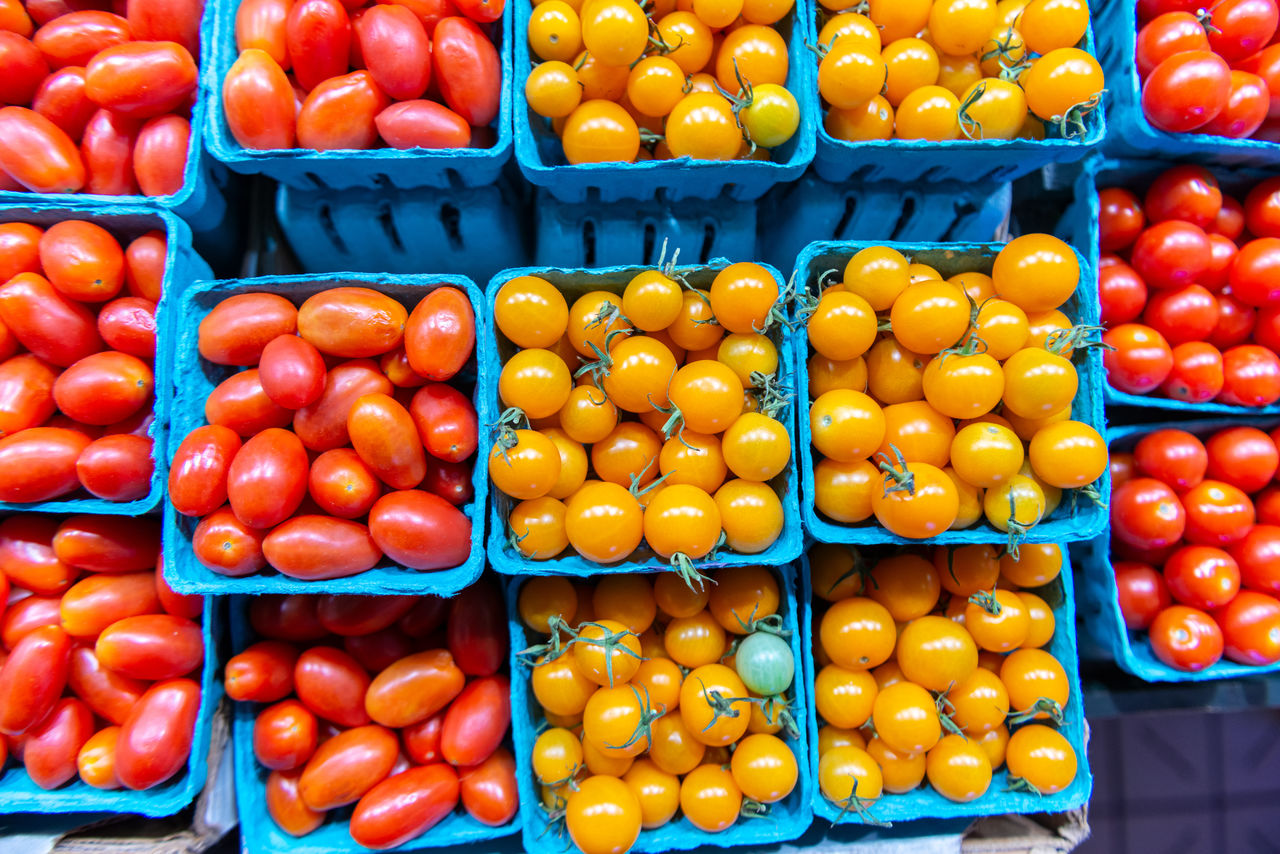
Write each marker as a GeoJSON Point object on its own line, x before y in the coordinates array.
{"type": "Point", "coordinates": [574, 283]}
{"type": "Point", "coordinates": [182, 267]}
{"type": "Point", "coordinates": [194, 378]}
{"type": "Point", "coordinates": [787, 819]}
{"type": "Point", "coordinates": [1066, 523]}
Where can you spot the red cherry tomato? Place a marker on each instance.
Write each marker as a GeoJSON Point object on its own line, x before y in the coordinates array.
{"type": "Point", "coordinates": [40, 463]}
{"type": "Point", "coordinates": [1142, 593]}
{"type": "Point", "coordinates": [1267, 506]}
{"type": "Point", "coordinates": [440, 334]}
{"type": "Point", "coordinates": [292, 372]}
{"type": "Point", "coordinates": [422, 740]}
{"type": "Point", "coordinates": [1122, 468]}
{"type": "Point", "coordinates": [1255, 272]}
{"type": "Point", "coordinates": [1242, 456]}
{"type": "Point", "coordinates": [339, 113]}
{"type": "Point", "coordinates": [117, 467]}
{"type": "Point", "coordinates": [104, 388]}
{"type": "Point", "coordinates": [1262, 209]}
{"type": "Point", "coordinates": [1147, 514]}
{"type": "Point", "coordinates": [332, 684]}
{"type": "Point", "coordinates": [1230, 220]}
{"type": "Point", "coordinates": [160, 155]}
{"type": "Point", "coordinates": [404, 806]}
{"type": "Point", "coordinates": [1250, 628]}
{"type": "Point", "coordinates": [1165, 35]}
{"type": "Point", "coordinates": [50, 748]}
{"type": "Point", "coordinates": [1171, 254]}
{"type": "Point", "coordinates": [1197, 374]}
{"type": "Point", "coordinates": [446, 421]}
{"type": "Point", "coordinates": [155, 740]}
{"type": "Point", "coordinates": [396, 48]}
{"type": "Point", "coordinates": [1141, 358]}
{"type": "Point", "coordinates": [151, 646]}
{"type": "Point", "coordinates": [476, 721]}
{"type": "Point", "coordinates": [198, 475]}
{"type": "Point", "coordinates": [343, 484]}
{"type": "Point", "coordinates": [61, 99]}
{"type": "Point", "coordinates": [414, 688]}
{"type": "Point", "coordinates": [1246, 108]}
{"type": "Point", "coordinates": [1188, 193]}
{"type": "Point", "coordinates": [320, 547]}
{"type": "Point", "coordinates": [318, 36]}
{"type": "Point", "coordinates": [107, 149]}
{"type": "Point", "coordinates": [322, 426]}
{"type": "Point", "coordinates": [53, 327]}
{"type": "Point", "coordinates": [239, 328]}
{"type": "Point", "coordinates": [262, 672]}
{"type": "Point", "coordinates": [451, 481]}
{"type": "Point", "coordinates": [1175, 457]}
{"type": "Point", "coordinates": [258, 101]}
{"type": "Point", "coordinates": [1241, 28]}
{"type": "Point", "coordinates": [1222, 253]}
{"type": "Point", "coordinates": [1186, 639]}
{"type": "Point", "coordinates": [1186, 90]}
{"type": "Point", "coordinates": [144, 266]}
{"type": "Point", "coordinates": [1202, 576]}
{"type": "Point", "coordinates": [488, 790]}
{"type": "Point", "coordinates": [1120, 218]}
{"type": "Point", "coordinates": [226, 545]}
{"type": "Point", "coordinates": [32, 678]}
{"type": "Point", "coordinates": [19, 249]}
{"type": "Point", "coordinates": [348, 765]}
{"type": "Point", "coordinates": [378, 650]}
{"type": "Point", "coordinates": [1252, 376]}
{"type": "Point", "coordinates": [1258, 554]}
{"type": "Point", "coordinates": [419, 530]}
{"type": "Point", "coordinates": [383, 434]}
{"type": "Point", "coordinates": [267, 479]}
{"type": "Point", "coordinates": [285, 804]}
{"type": "Point", "coordinates": [285, 736]}
{"type": "Point", "coordinates": [240, 404]}
{"type": "Point", "coordinates": [128, 324]}
{"type": "Point", "coordinates": [76, 37]}
{"type": "Point", "coordinates": [1217, 513]}
{"type": "Point", "coordinates": [422, 124]}
{"type": "Point", "coordinates": [1187, 313]}
{"type": "Point", "coordinates": [27, 559]}
{"type": "Point", "coordinates": [26, 393]}
{"type": "Point", "coordinates": [141, 79]}
{"type": "Point", "coordinates": [467, 69]}
{"type": "Point", "coordinates": [1122, 293]}
{"type": "Point", "coordinates": [477, 629]}
{"type": "Point", "coordinates": [261, 25]}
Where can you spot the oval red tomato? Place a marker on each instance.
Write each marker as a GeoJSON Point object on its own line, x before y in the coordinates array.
{"type": "Point", "coordinates": [104, 388]}
{"type": "Point", "coordinates": [333, 685]}
{"type": "Point", "coordinates": [405, 806]}
{"type": "Point", "coordinates": [258, 102]}
{"type": "Point", "coordinates": [285, 736]}
{"type": "Point", "coordinates": [320, 547]}
{"type": "Point", "coordinates": [261, 673]}
{"type": "Point", "coordinates": [477, 629]}
{"type": "Point", "coordinates": [141, 79]}
{"type": "Point", "coordinates": [240, 404]}
{"type": "Point", "coordinates": [227, 546]}
{"type": "Point", "coordinates": [151, 646]}
{"type": "Point", "coordinates": [32, 678]}
{"type": "Point", "coordinates": [155, 740]}
{"type": "Point", "coordinates": [419, 530]}
{"type": "Point", "coordinates": [1250, 628]}
{"type": "Point", "coordinates": [198, 474]}
{"type": "Point", "coordinates": [476, 721]}
{"type": "Point", "coordinates": [267, 479]}
{"type": "Point", "coordinates": [53, 327]}
{"type": "Point", "coordinates": [40, 464]}
{"type": "Point", "coordinates": [348, 765]}
{"type": "Point", "coordinates": [467, 70]}
{"type": "Point", "coordinates": [238, 329]}
{"type": "Point", "coordinates": [422, 124]}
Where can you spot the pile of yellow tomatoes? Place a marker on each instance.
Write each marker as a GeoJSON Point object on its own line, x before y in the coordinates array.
{"type": "Point", "coordinates": [659, 699]}
{"type": "Point", "coordinates": [949, 69]}
{"type": "Point", "coordinates": [923, 392]}
{"type": "Point", "coordinates": [650, 412]}
{"type": "Point", "coordinates": [912, 687]}
{"type": "Point", "coordinates": [626, 81]}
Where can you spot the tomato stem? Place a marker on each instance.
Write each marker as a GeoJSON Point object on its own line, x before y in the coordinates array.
{"type": "Point", "coordinates": [1018, 784]}
{"type": "Point", "coordinates": [1062, 341]}
{"type": "Point", "coordinates": [683, 566]}
{"type": "Point", "coordinates": [944, 717]}
{"type": "Point", "coordinates": [777, 710]}
{"type": "Point", "coordinates": [903, 479]}
{"type": "Point", "coordinates": [1042, 706]}
{"type": "Point", "coordinates": [644, 728]}
{"type": "Point", "coordinates": [986, 599]}
{"type": "Point", "coordinates": [966, 120]}
{"type": "Point", "coordinates": [1071, 124]}
{"type": "Point", "coordinates": [859, 806]}
{"type": "Point", "coordinates": [1091, 492]}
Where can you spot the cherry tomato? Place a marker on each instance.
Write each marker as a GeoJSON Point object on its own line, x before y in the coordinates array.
{"type": "Point", "coordinates": [1141, 360]}
{"type": "Point", "coordinates": [320, 547]}
{"type": "Point", "coordinates": [258, 101]}
{"type": "Point", "coordinates": [1186, 639]}
{"type": "Point", "coordinates": [238, 329]}
{"type": "Point", "coordinates": [347, 766]}
{"type": "Point", "coordinates": [155, 739]}
{"type": "Point", "coordinates": [50, 325]}
{"type": "Point", "coordinates": [1258, 554]}
{"type": "Point", "coordinates": [38, 154]}
{"type": "Point", "coordinates": [1253, 272]}
{"type": "Point", "coordinates": [467, 70]}
{"type": "Point", "coordinates": [1147, 514]}
{"type": "Point", "coordinates": [1251, 628]}
{"type": "Point", "coordinates": [422, 124]}
{"type": "Point", "coordinates": [1174, 456]}
{"type": "Point", "coordinates": [1186, 90]}
{"type": "Point", "coordinates": [284, 736]}
{"type": "Point", "coordinates": [1142, 593]}
{"type": "Point", "coordinates": [286, 807]}
{"type": "Point", "coordinates": [1252, 376]}
{"type": "Point", "coordinates": [439, 335]}
{"type": "Point", "coordinates": [404, 806]}
{"type": "Point", "coordinates": [95, 603]}
{"type": "Point", "coordinates": [1122, 293]}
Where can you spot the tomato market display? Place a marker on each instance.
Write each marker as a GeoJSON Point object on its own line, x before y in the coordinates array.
{"type": "Point", "coordinates": [939, 667]}
{"type": "Point", "coordinates": [1195, 545]}
{"type": "Point", "coordinates": [941, 70]}
{"type": "Point", "coordinates": [101, 679]}
{"type": "Point", "coordinates": [342, 435]}
{"type": "Point", "coordinates": [98, 101]}
{"type": "Point", "coordinates": [394, 707]}
{"type": "Point", "coordinates": [936, 404]}
{"type": "Point", "coordinates": [625, 81]}
{"type": "Point", "coordinates": [674, 433]}
{"type": "Point", "coordinates": [77, 361]}
{"type": "Point", "coordinates": [1188, 287]}
{"type": "Point", "coordinates": [324, 75]}
{"type": "Point", "coordinates": [1211, 69]}
{"type": "Point", "coordinates": [659, 708]}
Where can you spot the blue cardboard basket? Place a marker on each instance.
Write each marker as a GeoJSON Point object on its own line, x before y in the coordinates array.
{"type": "Point", "coordinates": [924, 802]}
{"type": "Point", "coordinates": [396, 231]}
{"type": "Point", "coordinates": [194, 378]}
{"type": "Point", "coordinates": [378, 168]}
{"type": "Point", "coordinates": [541, 156]}
{"type": "Point", "coordinates": [813, 209]}
{"type": "Point", "coordinates": [1079, 226]}
{"type": "Point", "coordinates": [1062, 525]}
{"type": "Point", "coordinates": [201, 201]}
{"type": "Point", "coordinates": [182, 267]}
{"type": "Point", "coordinates": [581, 234]}
{"type": "Point", "coordinates": [574, 283]}
{"type": "Point", "coordinates": [963, 160]}
{"type": "Point", "coordinates": [259, 832]}
{"type": "Point", "coordinates": [19, 795]}
{"type": "Point", "coordinates": [1131, 134]}
{"type": "Point", "coordinates": [787, 819]}
{"type": "Point", "coordinates": [1104, 623]}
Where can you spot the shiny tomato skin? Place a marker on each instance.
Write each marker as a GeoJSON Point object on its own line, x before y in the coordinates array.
{"type": "Point", "coordinates": [26, 393]}
{"type": "Point", "coordinates": [342, 484]}
{"type": "Point", "coordinates": [288, 618]}
{"type": "Point", "coordinates": [333, 685]}
{"type": "Point", "coordinates": [238, 329]}
{"type": "Point", "coordinates": [1196, 375]}
{"type": "Point", "coordinates": [405, 806]}
{"type": "Point", "coordinates": [1222, 253]}
{"type": "Point", "coordinates": [107, 150]}
{"type": "Point", "coordinates": [383, 434]}
{"type": "Point", "coordinates": [19, 249]}
{"type": "Point", "coordinates": [25, 68]}
{"type": "Point", "coordinates": [95, 602]}
{"type": "Point", "coordinates": [61, 100]}
{"type": "Point", "coordinates": [267, 479]}
{"type": "Point", "coordinates": [348, 765]}
{"type": "Point", "coordinates": [1141, 358]}
{"type": "Point", "coordinates": [339, 114]}
{"type": "Point", "coordinates": [476, 721]}
{"type": "Point", "coordinates": [446, 421]}
{"type": "Point", "coordinates": [1186, 90]}
{"type": "Point", "coordinates": [155, 740]}
{"type": "Point", "coordinates": [1171, 254]}
{"type": "Point", "coordinates": [440, 334]}
{"type": "Point", "coordinates": [1185, 192]}
{"type": "Point", "coordinates": [419, 530]}
{"type": "Point", "coordinates": [258, 101]}
{"type": "Point", "coordinates": [292, 372]}
{"type": "Point", "coordinates": [318, 37]}
{"type": "Point", "coordinates": [397, 49]}
{"type": "Point", "coordinates": [1250, 628]}
{"type": "Point", "coordinates": [240, 404]}
{"type": "Point", "coordinates": [320, 547]}
{"type": "Point", "coordinates": [1142, 593]}
{"type": "Point", "coordinates": [227, 546]}
{"type": "Point", "coordinates": [1176, 457]}
{"type": "Point", "coordinates": [1217, 513]}
{"type": "Point", "coordinates": [285, 805]}
{"type": "Point", "coordinates": [53, 327]}
{"type": "Point", "coordinates": [322, 426]}
{"type": "Point", "coordinates": [187, 605]}
{"type": "Point", "coordinates": [349, 616]}
{"type": "Point", "coordinates": [1254, 270]}
{"type": "Point", "coordinates": [75, 38]}
{"type": "Point", "coordinates": [422, 740]}
{"type": "Point", "coordinates": [1122, 293]}
{"type": "Point", "coordinates": [467, 70]}
{"type": "Point", "coordinates": [82, 260]}
{"type": "Point", "coordinates": [32, 678]}
{"type": "Point", "coordinates": [488, 790]}
{"type": "Point", "coordinates": [1186, 638]}
{"type": "Point", "coordinates": [50, 749]}
{"type": "Point", "coordinates": [1120, 218]}
{"type": "Point", "coordinates": [1202, 576]}
{"type": "Point", "coordinates": [167, 20]}
{"type": "Point", "coordinates": [14, 18]}
{"type": "Point", "coordinates": [477, 629]}
{"type": "Point", "coordinates": [1146, 513]}
{"type": "Point", "coordinates": [104, 388]}
{"type": "Point", "coordinates": [1258, 554]}
{"type": "Point", "coordinates": [27, 558]}
{"type": "Point", "coordinates": [262, 672]}
{"type": "Point", "coordinates": [1246, 108]}
{"type": "Point", "coordinates": [1244, 457]}
{"type": "Point", "coordinates": [451, 481]}
{"type": "Point", "coordinates": [1252, 376]}
{"type": "Point", "coordinates": [40, 463]}
{"type": "Point", "coordinates": [110, 694]}
{"type": "Point", "coordinates": [378, 650]}
{"type": "Point", "coordinates": [1187, 313]}
{"type": "Point", "coordinates": [198, 474]}
{"type": "Point", "coordinates": [128, 324]}
{"type": "Point", "coordinates": [160, 155]}
{"type": "Point", "coordinates": [117, 467]}
{"type": "Point", "coordinates": [414, 688]}
{"type": "Point", "coordinates": [429, 12]}
{"type": "Point", "coordinates": [141, 79]}
{"type": "Point", "coordinates": [26, 615]}
{"type": "Point", "coordinates": [144, 261]}
{"type": "Point", "coordinates": [1236, 321]}
{"type": "Point", "coordinates": [151, 646]}
{"type": "Point", "coordinates": [261, 25]}
{"type": "Point", "coordinates": [285, 736]}
{"type": "Point", "coordinates": [422, 124]}
{"type": "Point", "coordinates": [352, 322]}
